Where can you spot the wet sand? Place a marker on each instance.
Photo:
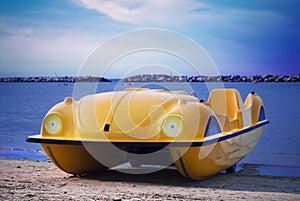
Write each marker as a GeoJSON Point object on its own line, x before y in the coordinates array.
{"type": "Point", "coordinates": [31, 180]}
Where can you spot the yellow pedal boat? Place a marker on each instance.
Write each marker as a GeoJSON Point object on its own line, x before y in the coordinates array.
{"type": "Point", "coordinates": [146, 126]}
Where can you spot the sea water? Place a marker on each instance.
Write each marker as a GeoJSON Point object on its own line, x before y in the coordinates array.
{"type": "Point", "coordinates": [24, 105]}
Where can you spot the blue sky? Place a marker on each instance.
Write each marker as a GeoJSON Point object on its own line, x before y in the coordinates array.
{"type": "Point", "coordinates": [40, 37]}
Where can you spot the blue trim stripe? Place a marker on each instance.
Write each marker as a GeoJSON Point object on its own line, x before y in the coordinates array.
{"type": "Point", "coordinates": [148, 144]}
{"type": "Point", "coordinates": [262, 115]}
{"type": "Point", "coordinates": [54, 159]}
{"type": "Point", "coordinates": [212, 127]}
{"type": "Point", "coordinates": [207, 127]}
{"type": "Point", "coordinates": [182, 164]}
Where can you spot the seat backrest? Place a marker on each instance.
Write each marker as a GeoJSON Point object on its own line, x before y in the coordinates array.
{"type": "Point", "coordinates": [226, 102]}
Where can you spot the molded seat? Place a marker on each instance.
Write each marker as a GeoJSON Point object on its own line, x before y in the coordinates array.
{"type": "Point", "coordinates": [229, 102]}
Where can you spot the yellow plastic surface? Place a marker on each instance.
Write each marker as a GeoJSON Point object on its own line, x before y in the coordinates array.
{"type": "Point", "coordinates": [138, 115]}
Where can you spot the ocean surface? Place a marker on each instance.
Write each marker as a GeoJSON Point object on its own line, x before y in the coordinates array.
{"type": "Point", "coordinates": [24, 105]}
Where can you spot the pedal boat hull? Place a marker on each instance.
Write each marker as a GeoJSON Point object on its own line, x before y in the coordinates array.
{"type": "Point", "coordinates": [205, 146]}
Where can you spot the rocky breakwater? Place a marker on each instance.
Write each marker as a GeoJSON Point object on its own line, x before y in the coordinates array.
{"type": "Point", "coordinates": [221, 78]}
{"type": "Point", "coordinates": [55, 79]}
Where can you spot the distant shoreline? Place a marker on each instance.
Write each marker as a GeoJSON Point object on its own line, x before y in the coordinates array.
{"type": "Point", "coordinates": [160, 78]}
{"type": "Point", "coordinates": [55, 79]}
{"type": "Point", "coordinates": [220, 78]}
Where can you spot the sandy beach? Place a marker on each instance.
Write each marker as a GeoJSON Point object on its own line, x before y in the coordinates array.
{"type": "Point", "coordinates": [32, 180]}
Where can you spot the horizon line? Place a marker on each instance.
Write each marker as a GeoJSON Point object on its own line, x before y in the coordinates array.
{"type": "Point", "coordinates": [94, 76]}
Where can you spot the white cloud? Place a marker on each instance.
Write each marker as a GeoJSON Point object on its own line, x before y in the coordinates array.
{"type": "Point", "coordinates": [35, 49]}
{"type": "Point", "coordinates": [186, 16]}
{"type": "Point", "coordinates": [45, 47]}
{"type": "Point", "coordinates": [149, 12]}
